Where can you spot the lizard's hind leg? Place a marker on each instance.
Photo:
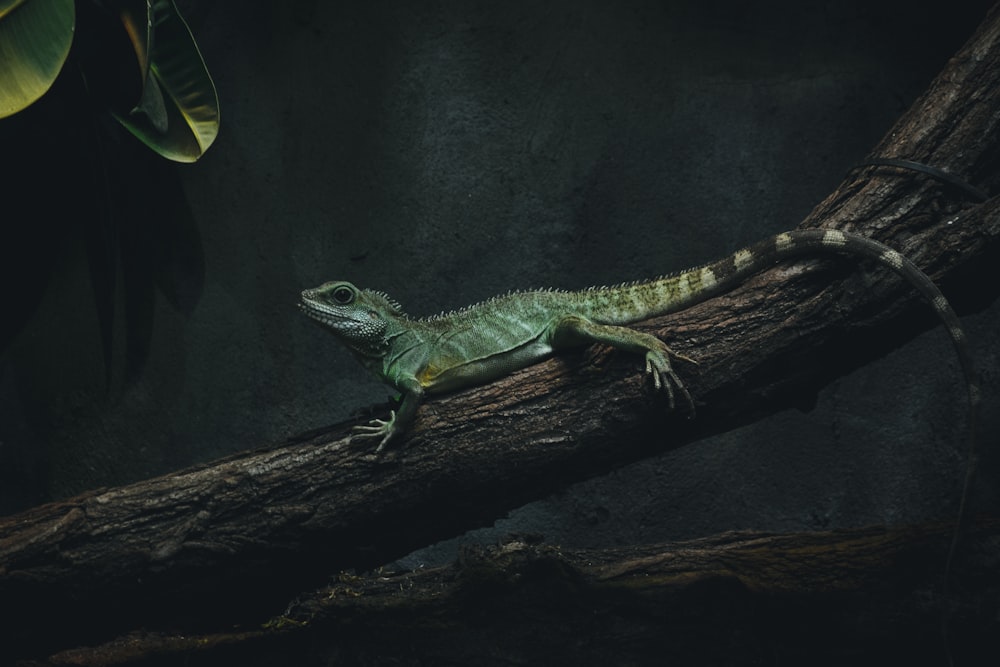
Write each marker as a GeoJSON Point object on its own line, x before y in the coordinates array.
{"type": "Point", "coordinates": [574, 330]}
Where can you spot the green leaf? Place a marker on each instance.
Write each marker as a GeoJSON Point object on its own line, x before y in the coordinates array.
{"type": "Point", "coordinates": [35, 36]}
{"type": "Point", "coordinates": [178, 85]}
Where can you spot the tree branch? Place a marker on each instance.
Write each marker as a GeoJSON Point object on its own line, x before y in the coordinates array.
{"type": "Point", "coordinates": [867, 596]}
{"type": "Point", "coordinates": [235, 539]}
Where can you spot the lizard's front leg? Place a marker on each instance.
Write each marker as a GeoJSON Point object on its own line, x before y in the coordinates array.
{"type": "Point", "coordinates": [574, 330]}
{"type": "Point", "coordinates": [398, 422]}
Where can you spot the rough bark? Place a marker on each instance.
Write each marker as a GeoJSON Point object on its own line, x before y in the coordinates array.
{"type": "Point", "coordinates": [235, 539]}
{"type": "Point", "coordinates": [866, 596]}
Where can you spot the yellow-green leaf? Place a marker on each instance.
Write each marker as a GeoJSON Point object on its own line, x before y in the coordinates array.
{"type": "Point", "coordinates": [182, 81]}
{"type": "Point", "coordinates": [35, 36]}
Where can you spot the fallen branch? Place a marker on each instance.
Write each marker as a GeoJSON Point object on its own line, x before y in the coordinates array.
{"type": "Point", "coordinates": [862, 596]}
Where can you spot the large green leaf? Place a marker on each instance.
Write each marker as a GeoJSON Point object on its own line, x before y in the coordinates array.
{"type": "Point", "coordinates": [178, 113]}
{"type": "Point", "coordinates": [35, 36]}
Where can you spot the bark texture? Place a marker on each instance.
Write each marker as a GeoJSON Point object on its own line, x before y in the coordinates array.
{"type": "Point", "coordinates": [234, 540]}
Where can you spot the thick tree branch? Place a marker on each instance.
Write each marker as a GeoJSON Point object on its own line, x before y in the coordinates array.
{"type": "Point", "coordinates": [237, 538]}
{"type": "Point", "coordinates": [867, 596]}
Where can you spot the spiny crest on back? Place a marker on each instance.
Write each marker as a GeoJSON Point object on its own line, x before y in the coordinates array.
{"type": "Point", "coordinates": [595, 291]}
{"type": "Point", "coordinates": [635, 283]}
{"type": "Point", "coordinates": [527, 293]}
{"type": "Point", "coordinates": [382, 301]}
{"type": "Point", "coordinates": [491, 302]}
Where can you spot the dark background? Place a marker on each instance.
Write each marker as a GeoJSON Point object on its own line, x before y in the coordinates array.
{"type": "Point", "coordinates": [446, 152]}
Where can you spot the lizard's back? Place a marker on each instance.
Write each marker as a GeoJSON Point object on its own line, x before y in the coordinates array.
{"type": "Point", "coordinates": [489, 339]}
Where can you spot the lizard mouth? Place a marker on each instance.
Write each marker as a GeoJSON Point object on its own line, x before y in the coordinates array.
{"type": "Point", "coordinates": [320, 314]}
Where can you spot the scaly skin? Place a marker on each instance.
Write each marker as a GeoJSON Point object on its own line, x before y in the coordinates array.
{"type": "Point", "coordinates": [491, 339]}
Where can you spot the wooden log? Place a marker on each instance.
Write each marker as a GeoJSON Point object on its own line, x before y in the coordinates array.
{"type": "Point", "coordinates": [234, 540]}
{"type": "Point", "coordinates": [867, 596]}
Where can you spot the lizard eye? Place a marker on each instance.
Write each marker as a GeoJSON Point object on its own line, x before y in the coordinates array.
{"type": "Point", "coordinates": [343, 295]}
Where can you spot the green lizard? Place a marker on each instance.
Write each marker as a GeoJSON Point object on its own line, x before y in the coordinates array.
{"type": "Point", "coordinates": [491, 339]}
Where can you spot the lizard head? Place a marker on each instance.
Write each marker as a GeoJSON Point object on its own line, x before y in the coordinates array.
{"type": "Point", "coordinates": [360, 317]}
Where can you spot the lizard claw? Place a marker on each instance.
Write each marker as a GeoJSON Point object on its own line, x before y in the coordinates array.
{"type": "Point", "coordinates": [377, 428]}
{"type": "Point", "coordinates": [664, 376]}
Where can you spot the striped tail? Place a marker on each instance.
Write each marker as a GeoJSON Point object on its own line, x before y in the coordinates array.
{"type": "Point", "coordinates": [624, 304]}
